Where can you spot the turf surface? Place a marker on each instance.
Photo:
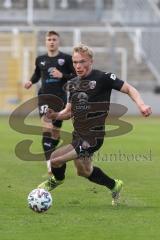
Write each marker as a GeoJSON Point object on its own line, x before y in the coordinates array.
{"type": "Point", "coordinates": [82, 210]}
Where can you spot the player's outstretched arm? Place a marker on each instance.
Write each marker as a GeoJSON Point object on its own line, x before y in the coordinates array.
{"type": "Point", "coordinates": [136, 97]}
{"type": "Point", "coordinates": [65, 114]}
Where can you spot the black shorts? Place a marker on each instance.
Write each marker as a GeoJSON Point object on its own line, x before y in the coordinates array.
{"type": "Point", "coordinates": [46, 101]}
{"type": "Point", "coordinates": [84, 149]}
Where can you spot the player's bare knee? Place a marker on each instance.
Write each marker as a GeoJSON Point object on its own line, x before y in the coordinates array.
{"type": "Point", "coordinates": [83, 173]}
{"type": "Point", "coordinates": [47, 129]}
{"type": "Point", "coordinates": [55, 163]}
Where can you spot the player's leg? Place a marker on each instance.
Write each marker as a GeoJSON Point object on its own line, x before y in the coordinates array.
{"type": "Point", "coordinates": [83, 163]}
{"type": "Point", "coordinates": [48, 142]}
{"type": "Point", "coordinates": [95, 174]}
{"type": "Point", "coordinates": [84, 166]}
{"type": "Point", "coordinates": [50, 139]}
{"type": "Point", "coordinates": [46, 129]}
{"type": "Point", "coordinates": [51, 130]}
{"type": "Point", "coordinates": [100, 177]}
{"type": "Point", "coordinates": [58, 160]}
{"type": "Point", "coordinates": [59, 173]}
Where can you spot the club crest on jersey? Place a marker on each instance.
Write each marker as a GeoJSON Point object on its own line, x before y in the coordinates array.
{"type": "Point", "coordinates": [61, 61]}
{"type": "Point", "coordinates": [92, 84]}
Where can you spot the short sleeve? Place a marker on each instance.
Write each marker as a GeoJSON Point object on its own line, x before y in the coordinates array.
{"type": "Point", "coordinates": [113, 82]}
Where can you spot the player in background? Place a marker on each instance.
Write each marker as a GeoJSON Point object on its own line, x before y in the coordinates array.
{"type": "Point", "coordinates": [88, 106]}
{"type": "Point", "coordinates": [54, 69]}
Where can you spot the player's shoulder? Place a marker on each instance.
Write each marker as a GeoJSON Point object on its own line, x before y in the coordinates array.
{"type": "Point", "coordinates": [110, 75]}
{"type": "Point", "coordinates": [65, 55]}
{"type": "Point", "coordinates": [102, 76]}
{"type": "Point", "coordinates": [41, 57]}
{"type": "Point", "coordinates": [98, 74]}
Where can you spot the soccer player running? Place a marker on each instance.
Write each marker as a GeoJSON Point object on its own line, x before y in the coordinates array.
{"type": "Point", "coordinates": [88, 106]}
{"type": "Point", "coordinates": [54, 69]}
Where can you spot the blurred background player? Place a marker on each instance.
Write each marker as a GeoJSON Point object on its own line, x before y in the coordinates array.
{"type": "Point", "coordinates": [54, 69]}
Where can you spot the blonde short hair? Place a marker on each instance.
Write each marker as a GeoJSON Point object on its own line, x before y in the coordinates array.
{"type": "Point", "coordinates": [82, 48]}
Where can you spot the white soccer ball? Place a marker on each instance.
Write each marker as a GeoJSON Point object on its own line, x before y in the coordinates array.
{"type": "Point", "coordinates": [39, 200]}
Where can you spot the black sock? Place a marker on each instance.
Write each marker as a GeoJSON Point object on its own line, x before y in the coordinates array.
{"type": "Point", "coordinates": [49, 144]}
{"type": "Point", "coordinates": [99, 177]}
{"type": "Point", "coordinates": [59, 173]}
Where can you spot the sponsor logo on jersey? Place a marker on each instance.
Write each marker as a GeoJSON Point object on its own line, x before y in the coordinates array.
{"type": "Point", "coordinates": [92, 84]}
{"type": "Point", "coordinates": [82, 97]}
{"type": "Point", "coordinates": [52, 80]}
{"type": "Point", "coordinates": [61, 61]}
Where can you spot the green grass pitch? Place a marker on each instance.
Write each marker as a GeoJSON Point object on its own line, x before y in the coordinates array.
{"type": "Point", "coordinates": [82, 210]}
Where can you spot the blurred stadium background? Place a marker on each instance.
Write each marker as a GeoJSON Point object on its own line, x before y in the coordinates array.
{"type": "Point", "coordinates": [124, 34]}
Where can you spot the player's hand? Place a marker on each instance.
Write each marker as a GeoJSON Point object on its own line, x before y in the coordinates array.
{"type": "Point", "coordinates": [145, 110]}
{"type": "Point", "coordinates": [28, 84]}
{"type": "Point", "coordinates": [51, 114]}
{"type": "Point", "coordinates": [56, 73]}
